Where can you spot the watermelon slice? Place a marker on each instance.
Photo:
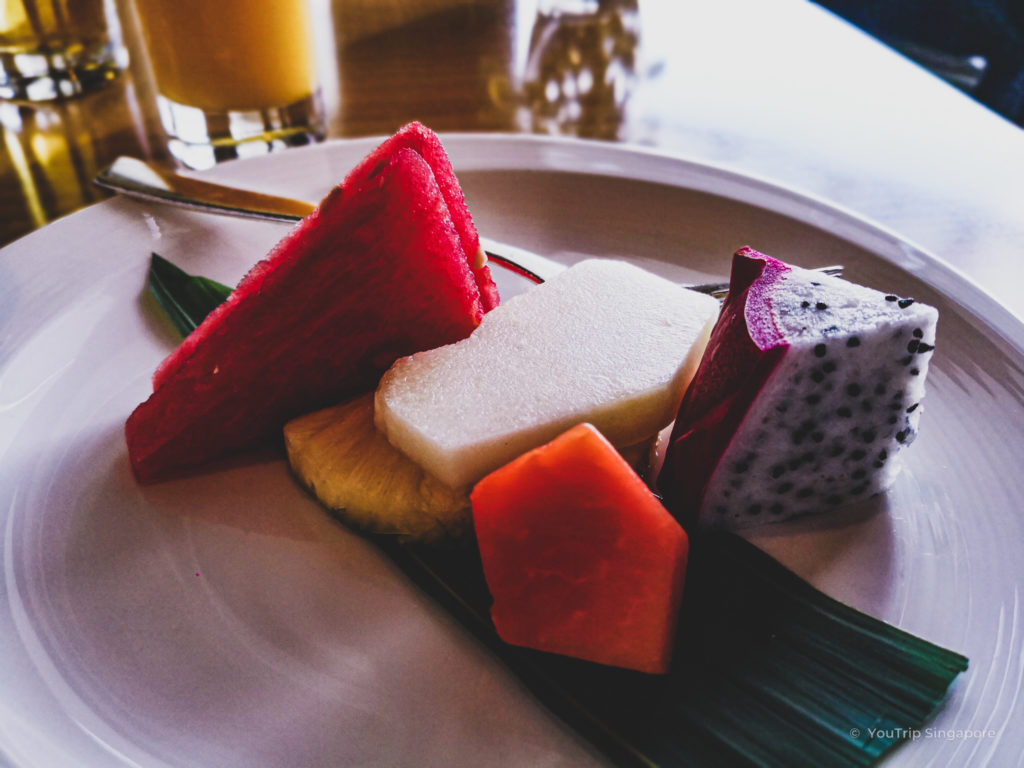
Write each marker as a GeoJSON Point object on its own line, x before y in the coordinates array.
{"type": "Point", "coordinates": [426, 143]}
{"type": "Point", "coordinates": [418, 137]}
{"type": "Point", "coordinates": [580, 557]}
{"type": "Point", "coordinates": [378, 271]}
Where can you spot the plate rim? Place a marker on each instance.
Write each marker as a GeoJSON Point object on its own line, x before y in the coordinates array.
{"type": "Point", "coordinates": [803, 206]}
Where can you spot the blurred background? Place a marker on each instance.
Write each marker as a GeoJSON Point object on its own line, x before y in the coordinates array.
{"type": "Point", "coordinates": [622, 70]}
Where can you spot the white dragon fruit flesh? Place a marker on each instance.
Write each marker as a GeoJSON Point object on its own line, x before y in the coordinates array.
{"type": "Point", "coordinates": [809, 389]}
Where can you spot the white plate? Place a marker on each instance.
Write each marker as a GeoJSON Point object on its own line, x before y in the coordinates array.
{"type": "Point", "coordinates": [223, 621]}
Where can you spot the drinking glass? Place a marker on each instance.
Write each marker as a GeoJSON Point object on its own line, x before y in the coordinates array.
{"type": "Point", "coordinates": [51, 49]}
{"type": "Point", "coordinates": [234, 78]}
{"type": "Point", "coordinates": [581, 67]}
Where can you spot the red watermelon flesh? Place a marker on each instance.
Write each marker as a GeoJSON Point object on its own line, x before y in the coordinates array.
{"type": "Point", "coordinates": [375, 273]}
{"type": "Point", "coordinates": [580, 557]}
{"type": "Point", "coordinates": [424, 142]}
{"type": "Point", "coordinates": [418, 137]}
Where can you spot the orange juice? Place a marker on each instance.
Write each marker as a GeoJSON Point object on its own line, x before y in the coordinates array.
{"type": "Point", "coordinates": [230, 55]}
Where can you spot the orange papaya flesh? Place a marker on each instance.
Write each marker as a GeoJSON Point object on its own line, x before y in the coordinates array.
{"type": "Point", "coordinates": [581, 559]}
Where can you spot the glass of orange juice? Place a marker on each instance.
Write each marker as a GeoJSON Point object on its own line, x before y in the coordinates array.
{"type": "Point", "coordinates": [234, 78]}
{"type": "Point", "coordinates": [51, 49]}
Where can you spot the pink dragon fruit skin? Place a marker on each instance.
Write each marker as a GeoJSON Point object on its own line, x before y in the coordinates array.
{"type": "Point", "coordinates": [809, 389]}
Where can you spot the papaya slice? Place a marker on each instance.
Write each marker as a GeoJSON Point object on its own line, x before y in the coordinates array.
{"type": "Point", "coordinates": [581, 559]}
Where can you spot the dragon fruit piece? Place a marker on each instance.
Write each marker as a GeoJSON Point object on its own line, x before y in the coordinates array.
{"type": "Point", "coordinates": [809, 389]}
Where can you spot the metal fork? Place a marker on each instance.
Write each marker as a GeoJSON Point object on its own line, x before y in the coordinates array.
{"type": "Point", "coordinates": [132, 177]}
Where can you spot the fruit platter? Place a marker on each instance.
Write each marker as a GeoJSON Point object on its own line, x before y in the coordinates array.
{"type": "Point", "coordinates": [163, 612]}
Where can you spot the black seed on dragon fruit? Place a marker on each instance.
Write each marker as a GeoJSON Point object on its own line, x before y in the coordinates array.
{"type": "Point", "coordinates": [803, 400]}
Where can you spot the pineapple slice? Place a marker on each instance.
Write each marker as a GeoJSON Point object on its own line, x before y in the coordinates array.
{"type": "Point", "coordinates": [339, 455]}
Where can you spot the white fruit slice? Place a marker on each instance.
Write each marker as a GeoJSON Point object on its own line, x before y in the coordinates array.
{"type": "Point", "coordinates": [604, 342]}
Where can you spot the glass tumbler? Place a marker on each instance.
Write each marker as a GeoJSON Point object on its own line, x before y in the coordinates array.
{"type": "Point", "coordinates": [234, 78]}
{"type": "Point", "coordinates": [51, 49]}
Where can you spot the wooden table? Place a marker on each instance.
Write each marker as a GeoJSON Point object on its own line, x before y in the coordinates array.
{"type": "Point", "coordinates": [781, 90]}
